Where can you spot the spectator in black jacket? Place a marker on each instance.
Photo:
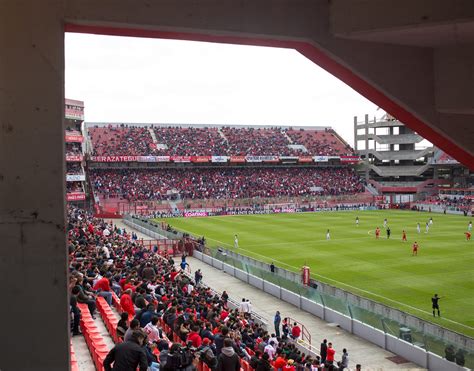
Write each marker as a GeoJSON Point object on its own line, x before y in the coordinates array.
{"type": "Point", "coordinates": [323, 351]}
{"type": "Point", "coordinates": [228, 360]}
{"type": "Point", "coordinates": [264, 363]}
{"type": "Point", "coordinates": [207, 332]}
{"type": "Point", "coordinates": [129, 355]}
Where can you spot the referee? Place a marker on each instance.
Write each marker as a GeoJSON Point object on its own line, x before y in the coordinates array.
{"type": "Point", "coordinates": [435, 305]}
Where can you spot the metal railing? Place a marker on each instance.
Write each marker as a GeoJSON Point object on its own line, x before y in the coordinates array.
{"type": "Point", "coordinates": [400, 325]}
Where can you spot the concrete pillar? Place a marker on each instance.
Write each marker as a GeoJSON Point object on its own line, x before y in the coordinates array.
{"type": "Point", "coordinates": [366, 123]}
{"type": "Point", "coordinates": [355, 133]}
{"type": "Point", "coordinates": [33, 270]}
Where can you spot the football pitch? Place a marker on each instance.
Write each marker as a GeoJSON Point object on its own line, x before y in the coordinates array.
{"type": "Point", "coordinates": [353, 259]}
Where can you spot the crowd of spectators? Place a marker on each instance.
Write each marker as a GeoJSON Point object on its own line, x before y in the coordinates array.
{"type": "Point", "coordinates": [74, 187]}
{"type": "Point", "coordinates": [126, 140]}
{"type": "Point", "coordinates": [160, 302]}
{"type": "Point", "coordinates": [73, 149]}
{"type": "Point", "coordinates": [121, 140]}
{"type": "Point", "coordinates": [228, 183]}
{"type": "Point", "coordinates": [261, 142]}
{"type": "Point", "coordinates": [190, 141]}
{"type": "Point", "coordinates": [317, 142]}
{"type": "Point", "coordinates": [74, 168]}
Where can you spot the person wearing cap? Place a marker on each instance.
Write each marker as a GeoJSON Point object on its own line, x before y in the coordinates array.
{"type": "Point", "coordinates": [207, 354]}
{"type": "Point", "coordinates": [290, 366]}
{"type": "Point", "coordinates": [128, 355]}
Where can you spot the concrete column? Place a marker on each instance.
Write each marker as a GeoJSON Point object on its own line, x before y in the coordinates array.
{"type": "Point", "coordinates": [366, 123]}
{"type": "Point", "coordinates": [355, 133]}
{"type": "Point", "coordinates": [33, 270]}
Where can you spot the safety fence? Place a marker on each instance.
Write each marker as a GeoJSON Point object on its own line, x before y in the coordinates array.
{"type": "Point", "coordinates": [383, 317]}
{"type": "Point", "coordinates": [414, 348]}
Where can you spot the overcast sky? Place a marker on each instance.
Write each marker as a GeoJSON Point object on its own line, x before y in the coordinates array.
{"type": "Point", "coordinates": [124, 79]}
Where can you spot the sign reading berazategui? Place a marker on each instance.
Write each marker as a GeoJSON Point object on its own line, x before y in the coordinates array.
{"type": "Point", "coordinates": [197, 159]}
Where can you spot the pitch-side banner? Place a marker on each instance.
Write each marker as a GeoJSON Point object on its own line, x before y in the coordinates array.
{"type": "Point", "coordinates": [75, 196]}
{"type": "Point", "coordinates": [74, 114]}
{"type": "Point", "coordinates": [305, 159]}
{"type": "Point", "coordinates": [74, 158]}
{"type": "Point", "coordinates": [162, 158]}
{"type": "Point", "coordinates": [181, 158]}
{"type": "Point", "coordinates": [73, 138]}
{"type": "Point", "coordinates": [262, 158]}
{"type": "Point", "coordinates": [350, 159]}
{"type": "Point", "coordinates": [115, 158]}
{"type": "Point", "coordinates": [237, 158]}
{"type": "Point", "coordinates": [321, 158]}
{"type": "Point", "coordinates": [200, 158]}
{"type": "Point", "coordinates": [130, 158]}
{"type": "Point", "coordinates": [75, 177]}
{"type": "Point", "coordinates": [219, 158]}
{"type": "Point", "coordinates": [191, 214]}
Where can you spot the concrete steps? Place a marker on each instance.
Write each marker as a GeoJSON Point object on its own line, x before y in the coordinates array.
{"type": "Point", "coordinates": [83, 357]}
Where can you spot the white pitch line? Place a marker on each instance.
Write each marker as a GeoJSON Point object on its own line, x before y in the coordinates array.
{"type": "Point", "coordinates": [338, 282]}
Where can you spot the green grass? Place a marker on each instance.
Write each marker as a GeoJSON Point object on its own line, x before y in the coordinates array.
{"type": "Point", "coordinates": [382, 270]}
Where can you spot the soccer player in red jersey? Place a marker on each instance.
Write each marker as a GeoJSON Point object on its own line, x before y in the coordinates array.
{"type": "Point", "coordinates": [468, 236]}
{"type": "Point", "coordinates": [377, 233]}
{"type": "Point", "coordinates": [415, 249]}
{"type": "Point", "coordinates": [404, 236]}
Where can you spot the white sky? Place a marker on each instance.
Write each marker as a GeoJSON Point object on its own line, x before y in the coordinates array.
{"type": "Point", "coordinates": [123, 79]}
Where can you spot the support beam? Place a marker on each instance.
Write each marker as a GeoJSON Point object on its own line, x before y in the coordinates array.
{"type": "Point", "coordinates": [33, 270]}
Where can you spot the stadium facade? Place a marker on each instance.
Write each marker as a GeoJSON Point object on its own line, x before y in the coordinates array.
{"type": "Point", "coordinates": [399, 164]}
{"type": "Point", "coordinates": [76, 183]}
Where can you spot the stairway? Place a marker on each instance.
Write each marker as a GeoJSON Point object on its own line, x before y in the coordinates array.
{"type": "Point", "coordinates": [222, 134]}
{"type": "Point", "coordinates": [173, 206]}
{"type": "Point", "coordinates": [369, 187]}
{"type": "Point", "coordinates": [287, 136]}
{"type": "Point", "coordinates": [153, 136]}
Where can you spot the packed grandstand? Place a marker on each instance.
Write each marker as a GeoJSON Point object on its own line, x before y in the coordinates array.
{"type": "Point", "coordinates": [129, 163]}
{"type": "Point", "coordinates": [167, 311]}
{"type": "Point", "coordinates": [129, 140]}
{"type": "Point", "coordinates": [133, 163]}
{"type": "Point", "coordinates": [164, 170]}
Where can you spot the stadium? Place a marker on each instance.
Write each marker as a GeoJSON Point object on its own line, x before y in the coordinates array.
{"type": "Point", "coordinates": [165, 246]}
{"type": "Point", "coordinates": [294, 198]}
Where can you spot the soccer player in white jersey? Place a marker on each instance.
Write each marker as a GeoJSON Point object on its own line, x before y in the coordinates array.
{"type": "Point", "coordinates": [236, 242]}
{"type": "Point", "coordinates": [427, 228]}
{"type": "Point", "coordinates": [385, 223]}
{"type": "Point", "coordinates": [357, 221]}
{"type": "Point", "coordinates": [328, 235]}
{"type": "Point", "coordinates": [430, 221]}
{"type": "Point", "coordinates": [418, 228]}
{"type": "Point", "coordinates": [469, 226]}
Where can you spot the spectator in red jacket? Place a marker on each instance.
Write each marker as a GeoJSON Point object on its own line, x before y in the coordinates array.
{"type": "Point", "coordinates": [127, 303]}
{"type": "Point", "coordinates": [194, 337]}
{"type": "Point", "coordinates": [295, 331]}
{"type": "Point", "coordinates": [102, 287]}
{"type": "Point", "coordinates": [330, 355]}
